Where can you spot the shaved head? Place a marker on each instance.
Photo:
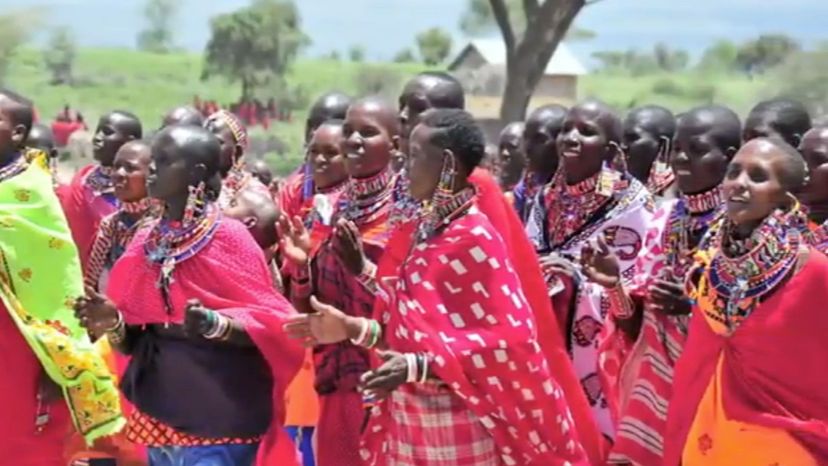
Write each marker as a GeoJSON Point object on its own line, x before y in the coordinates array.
{"type": "Point", "coordinates": [183, 115]}
{"type": "Point", "coordinates": [721, 123]}
{"type": "Point", "coordinates": [330, 106]}
{"type": "Point", "coordinates": [605, 116]}
{"type": "Point", "coordinates": [259, 213]}
{"type": "Point", "coordinates": [383, 111]}
{"type": "Point", "coordinates": [442, 89]}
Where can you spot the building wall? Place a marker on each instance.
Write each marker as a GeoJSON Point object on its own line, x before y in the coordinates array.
{"type": "Point", "coordinates": [561, 87]}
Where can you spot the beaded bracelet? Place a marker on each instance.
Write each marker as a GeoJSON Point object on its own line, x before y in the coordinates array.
{"type": "Point", "coordinates": [424, 369]}
{"type": "Point", "coordinates": [220, 329]}
{"type": "Point", "coordinates": [363, 331]}
{"type": "Point", "coordinates": [369, 334]}
{"type": "Point", "coordinates": [117, 332]}
{"type": "Point", "coordinates": [620, 304]}
{"type": "Point", "coordinates": [411, 362]}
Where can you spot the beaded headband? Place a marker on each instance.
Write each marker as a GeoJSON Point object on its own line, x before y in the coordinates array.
{"type": "Point", "coordinates": [235, 125]}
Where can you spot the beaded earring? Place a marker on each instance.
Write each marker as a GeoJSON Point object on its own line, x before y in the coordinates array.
{"type": "Point", "coordinates": [195, 203]}
{"type": "Point", "coordinates": [445, 187]}
{"type": "Point", "coordinates": [662, 162]}
{"type": "Point", "coordinates": [610, 175]}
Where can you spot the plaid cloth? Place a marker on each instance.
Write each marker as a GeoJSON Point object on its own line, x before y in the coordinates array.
{"type": "Point", "coordinates": [432, 426]}
{"type": "Point", "coordinates": [148, 431]}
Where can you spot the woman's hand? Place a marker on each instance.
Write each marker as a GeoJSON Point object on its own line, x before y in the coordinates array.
{"type": "Point", "coordinates": [326, 325]}
{"type": "Point", "coordinates": [379, 383]}
{"type": "Point", "coordinates": [667, 296]}
{"type": "Point", "coordinates": [294, 240]}
{"type": "Point", "coordinates": [198, 320]}
{"type": "Point", "coordinates": [555, 264]}
{"type": "Point", "coordinates": [599, 264]}
{"type": "Point", "coordinates": [349, 246]}
{"type": "Point", "coordinates": [96, 313]}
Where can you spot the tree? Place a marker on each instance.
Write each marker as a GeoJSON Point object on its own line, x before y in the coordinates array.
{"type": "Point", "coordinates": [670, 60]}
{"type": "Point", "coordinates": [405, 55]}
{"type": "Point", "coordinates": [15, 30]}
{"type": "Point", "coordinates": [531, 30]}
{"type": "Point", "coordinates": [254, 45]}
{"type": "Point", "coordinates": [60, 56]}
{"type": "Point", "coordinates": [721, 56]}
{"type": "Point", "coordinates": [434, 45]}
{"type": "Point", "coordinates": [765, 52]}
{"type": "Point", "coordinates": [158, 36]}
{"type": "Point", "coordinates": [356, 53]}
{"type": "Point", "coordinates": [479, 19]}
{"type": "Point", "coordinates": [802, 77]}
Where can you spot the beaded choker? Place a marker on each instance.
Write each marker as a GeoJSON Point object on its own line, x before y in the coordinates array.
{"type": "Point", "coordinates": [171, 243]}
{"type": "Point", "coordinates": [688, 220]}
{"type": "Point", "coordinates": [443, 214]}
{"type": "Point", "coordinates": [15, 167]}
{"type": "Point", "coordinates": [366, 198]}
{"type": "Point", "coordinates": [571, 207]}
{"type": "Point", "coordinates": [742, 272]}
{"type": "Point", "coordinates": [138, 207]}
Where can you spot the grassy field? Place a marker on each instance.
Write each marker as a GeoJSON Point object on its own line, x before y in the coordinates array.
{"type": "Point", "coordinates": [149, 85]}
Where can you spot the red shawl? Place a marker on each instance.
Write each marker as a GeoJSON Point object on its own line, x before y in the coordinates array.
{"type": "Point", "coordinates": [491, 201]}
{"type": "Point", "coordinates": [84, 211]}
{"type": "Point", "coordinates": [471, 316]}
{"type": "Point", "coordinates": [230, 276]}
{"type": "Point", "coordinates": [773, 373]}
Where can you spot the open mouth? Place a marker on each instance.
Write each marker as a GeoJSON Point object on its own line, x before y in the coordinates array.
{"type": "Point", "coordinates": [571, 152]}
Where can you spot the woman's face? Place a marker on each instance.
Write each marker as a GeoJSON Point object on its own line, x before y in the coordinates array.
{"type": "Point", "coordinates": [326, 157]}
{"type": "Point", "coordinates": [697, 160]}
{"type": "Point", "coordinates": [168, 172]}
{"type": "Point", "coordinates": [230, 150]}
{"type": "Point", "coordinates": [752, 185]}
{"type": "Point", "coordinates": [425, 163]}
{"type": "Point", "coordinates": [814, 149]}
{"type": "Point", "coordinates": [131, 168]}
{"type": "Point", "coordinates": [583, 143]}
{"type": "Point", "coordinates": [368, 142]}
{"type": "Point", "coordinates": [641, 148]}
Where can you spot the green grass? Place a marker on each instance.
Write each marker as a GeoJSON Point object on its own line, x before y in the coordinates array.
{"type": "Point", "coordinates": [150, 84]}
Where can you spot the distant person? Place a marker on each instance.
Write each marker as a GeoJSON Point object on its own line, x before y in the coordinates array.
{"type": "Point", "coordinates": [42, 139]}
{"type": "Point", "coordinates": [539, 135]}
{"type": "Point", "coordinates": [511, 159]}
{"type": "Point", "coordinates": [298, 189]}
{"type": "Point", "coordinates": [648, 138]}
{"type": "Point", "coordinates": [784, 118]}
{"type": "Point", "coordinates": [814, 148]}
{"type": "Point", "coordinates": [260, 169]}
{"type": "Point", "coordinates": [91, 194]}
{"type": "Point", "coordinates": [184, 115]}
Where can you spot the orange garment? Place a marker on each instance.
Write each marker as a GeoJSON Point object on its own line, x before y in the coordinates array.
{"type": "Point", "coordinates": [301, 401]}
{"type": "Point", "coordinates": [715, 439]}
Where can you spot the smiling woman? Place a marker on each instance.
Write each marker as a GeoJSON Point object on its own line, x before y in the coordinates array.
{"type": "Point", "coordinates": [757, 287]}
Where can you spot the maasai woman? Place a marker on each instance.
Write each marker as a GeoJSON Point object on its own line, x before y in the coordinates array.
{"type": "Point", "coordinates": [91, 195]}
{"type": "Point", "coordinates": [297, 193]}
{"type": "Point", "coordinates": [233, 138]}
{"type": "Point", "coordinates": [758, 289]}
{"type": "Point", "coordinates": [429, 91]}
{"type": "Point", "coordinates": [539, 142]}
{"type": "Point", "coordinates": [260, 214]}
{"type": "Point", "coordinates": [648, 137]}
{"type": "Point", "coordinates": [48, 364]}
{"type": "Point", "coordinates": [706, 139]}
{"type": "Point", "coordinates": [340, 271]}
{"type": "Point", "coordinates": [41, 138]}
{"type": "Point", "coordinates": [436, 408]}
{"type": "Point", "coordinates": [192, 304]}
{"type": "Point", "coordinates": [591, 204]}
{"type": "Point", "coordinates": [814, 149]}
{"type": "Point", "coordinates": [511, 161]}
{"type": "Point", "coordinates": [784, 118]}
{"type": "Point", "coordinates": [135, 209]}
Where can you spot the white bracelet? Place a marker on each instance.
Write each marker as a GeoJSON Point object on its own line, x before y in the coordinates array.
{"type": "Point", "coordinates": [411, 359]}
{"type": "Point", "coordinates": [424, 375]}
{"type": "Point", "coordinates": [363, 332]}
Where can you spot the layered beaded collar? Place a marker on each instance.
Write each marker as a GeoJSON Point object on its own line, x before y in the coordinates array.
{"type": "Point", "coordinates": [572, 207]}
{"type": "Point", "coordinates": [365, 199]}
{"type": "Point", "coordinates": [14, 167]}
{"type": "Point", "coordinates": [170, 243]}
{"type": "Point", "coordinates": [661, 177]}
{"type": "Point", "coordinates": [99, 180]}
{"type": "Point", "coordinates": [743, 272]}
{"type": "Point", "coordinates": [441, 215]}
{"type": "Point", "coordinates": [138, 207]}
{"type": "Point", "coordinates": [689, 219]}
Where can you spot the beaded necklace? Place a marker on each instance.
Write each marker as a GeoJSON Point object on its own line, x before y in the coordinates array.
{"type": "Point", "coordinates": [690, 217]}
{"type": "Point", "coordinates": [405, 207]}
{"type": "Point", "coordinates": [365, 199]}
{"type": "Point", "coordinates": [742, 272]}
{"type": "Point", "coordinates": [172, 242]}
{"type": "Point", "coordinates": [571, 207]}
{"type": "Point", "coordinates": [99, 180]}
{"type": "Point", "coordinates": [532, 185]}
{"type": "Point", "coordinates": [661, 177]}
{"type": "Point", "coordinates": [14, 167]}
{"type": "Point", "coordinates": [438, 216]}
{"type": "Point", "coordinates": [235, 181]}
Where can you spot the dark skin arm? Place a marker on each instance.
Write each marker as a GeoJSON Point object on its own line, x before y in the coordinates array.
{"type": "Point", "coordinates": [295, 245]}
{"type": "Point", "coordinates": [197, 324]}
{"type": "Point", "coordinates": [97, 314]}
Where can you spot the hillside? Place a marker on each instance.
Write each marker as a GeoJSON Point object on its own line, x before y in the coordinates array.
{"type": "Point", "coordinates": [149, 84]}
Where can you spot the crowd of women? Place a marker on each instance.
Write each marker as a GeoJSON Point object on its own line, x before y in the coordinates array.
{"type": "Point", "coordinates": [639, 291]}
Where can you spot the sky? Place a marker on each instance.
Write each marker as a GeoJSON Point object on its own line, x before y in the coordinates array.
{"type": "Point", "coordinates": [383, 27]}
